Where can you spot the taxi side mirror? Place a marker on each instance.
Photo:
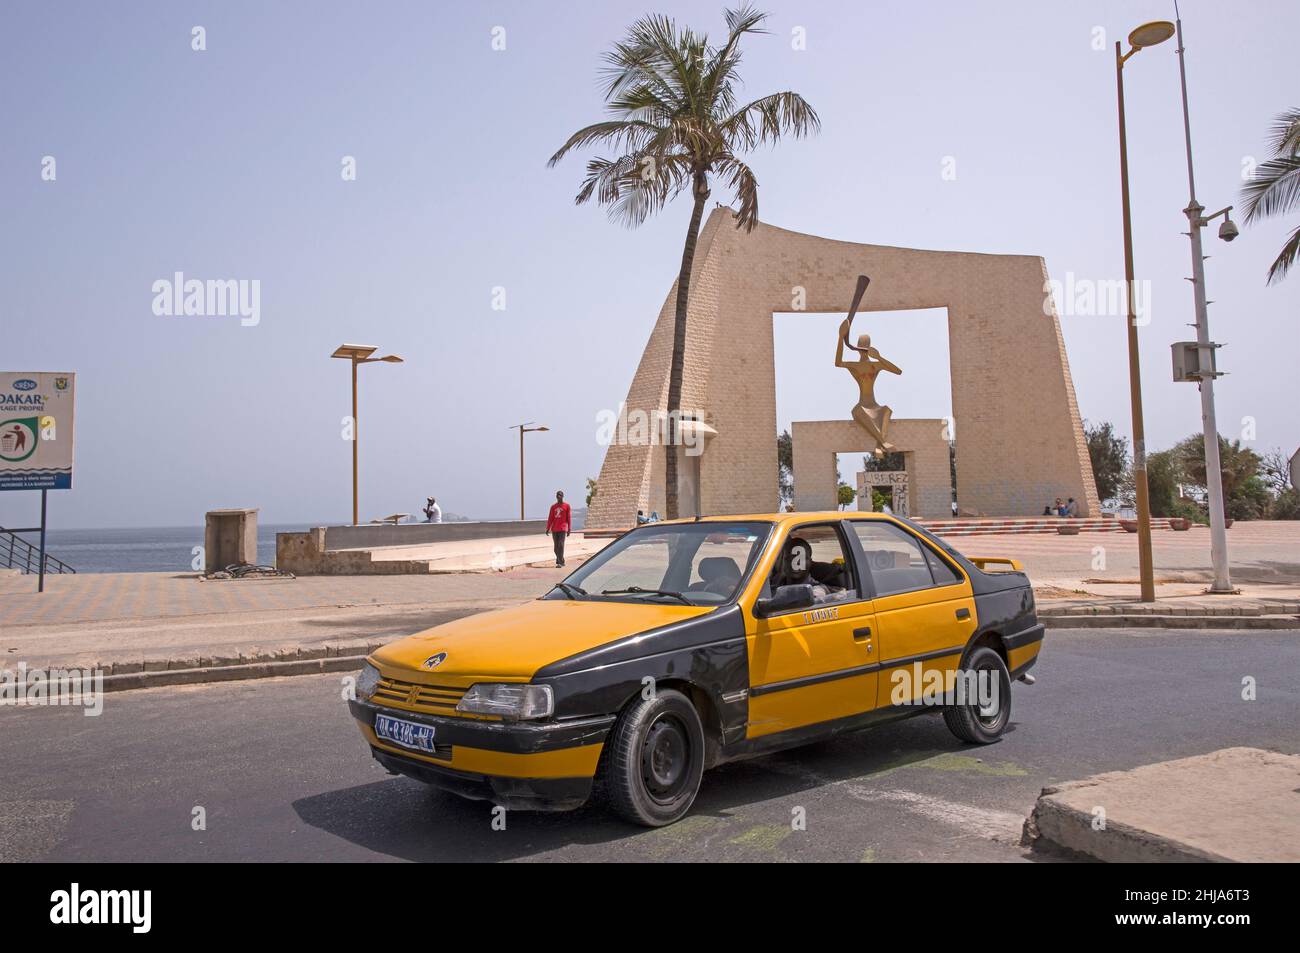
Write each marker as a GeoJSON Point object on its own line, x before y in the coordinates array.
{"type": "Point", "coordinates": [783, 599]}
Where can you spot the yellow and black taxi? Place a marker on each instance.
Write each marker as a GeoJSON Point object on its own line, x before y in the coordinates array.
{"type": "Point", "coordinates": [685, 644]}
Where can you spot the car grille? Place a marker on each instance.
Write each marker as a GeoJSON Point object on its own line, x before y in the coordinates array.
{"type": "Point", "coordinates": [435, 699]}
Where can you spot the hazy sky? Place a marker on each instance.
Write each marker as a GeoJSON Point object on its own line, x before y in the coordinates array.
{"type": "Point", "coordinates": [226, 164]}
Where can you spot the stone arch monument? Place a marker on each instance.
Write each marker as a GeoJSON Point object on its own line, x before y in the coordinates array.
{"type": "Point", "coordinates": [1020, 440]}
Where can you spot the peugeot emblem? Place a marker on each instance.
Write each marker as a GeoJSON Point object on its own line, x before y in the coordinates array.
{"type": "Point", "coordinates": [433, 661]}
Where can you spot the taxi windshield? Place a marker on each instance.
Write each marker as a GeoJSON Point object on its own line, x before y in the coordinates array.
{"type": "Point", "coordinates": [698, 564]}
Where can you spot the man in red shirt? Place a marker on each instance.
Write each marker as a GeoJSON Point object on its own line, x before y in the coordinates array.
{"type": "Point", "coordinates": [558, 524]}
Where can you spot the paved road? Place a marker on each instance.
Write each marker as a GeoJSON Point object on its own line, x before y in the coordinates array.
{"type": "Point", "coordinates": [283, 775]}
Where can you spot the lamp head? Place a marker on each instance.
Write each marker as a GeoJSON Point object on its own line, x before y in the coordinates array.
{"type": "Point", "coordinates": [353, 352]}
{"type": "Point", "coordinates": [1150, 34]}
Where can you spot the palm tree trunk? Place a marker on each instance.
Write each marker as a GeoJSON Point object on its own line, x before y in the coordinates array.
{"type": "Point", "coordinates": [675, 371]}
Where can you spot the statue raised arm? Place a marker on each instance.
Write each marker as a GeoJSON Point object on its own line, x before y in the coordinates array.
{"type": "Point", "coordinates": [872, 416]}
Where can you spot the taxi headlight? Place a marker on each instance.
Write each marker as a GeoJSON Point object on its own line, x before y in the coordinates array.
{"type": "Point", "coordinates": [508, 700]}
{"type": "Point", "coordinates": [367, 681]}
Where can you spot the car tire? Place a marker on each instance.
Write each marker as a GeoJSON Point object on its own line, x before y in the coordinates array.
{"type": "Point", "coordinates": [967, 719]}
{"type": "Point", "coordinates": [653, 760]}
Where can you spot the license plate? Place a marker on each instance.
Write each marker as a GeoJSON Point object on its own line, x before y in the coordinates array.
{"type": "Point", "coordinates": [408, 734]}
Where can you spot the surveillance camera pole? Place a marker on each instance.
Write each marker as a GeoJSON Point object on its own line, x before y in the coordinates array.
{"type": "Point", "coordinates": [1213, 472]}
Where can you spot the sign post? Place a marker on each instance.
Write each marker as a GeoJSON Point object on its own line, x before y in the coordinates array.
{"type": "Point", "coordinates": [40, 577]}
{"type": "Point", "coordinates": [36, 437]}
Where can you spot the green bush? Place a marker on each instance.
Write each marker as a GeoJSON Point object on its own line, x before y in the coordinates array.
{"type": "Point", "coordinates": [1286, 506]}
{"type": "Point", "coordinates": [1163, 477]}
{"type": "Point", "coordinates": [1249, 500]}
{"type": "Point", "coordinates": [1186, 509]}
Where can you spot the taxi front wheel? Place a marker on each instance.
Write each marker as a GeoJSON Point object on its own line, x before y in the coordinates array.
{"type": "Point", "coordinates": [654, 759]}
{"type": "Point", "coordinates": [982, 709]}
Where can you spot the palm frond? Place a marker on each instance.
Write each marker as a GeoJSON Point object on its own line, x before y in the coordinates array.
{"type": "Point", "coordinates": [768, 119]}
{"type": "Point", "coordinates": [1285, 259]}
{"type": "Point", "coordinates": [744, 185]}
{"type": "Point", "coordinates": [1284, 134]}
{"type": "Point", "coordinates": [653, 54]}
{"type": "Point", "coordinates": [633, 186]}
{"type": "Point", "coordinates": [1274, 190]}
{"type": "Point", "coordinates": [726, 61]}
{"type": "Point", "coordinates": [623, 133]}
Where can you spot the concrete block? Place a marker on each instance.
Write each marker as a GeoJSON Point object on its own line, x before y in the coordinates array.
{"type": "Point", "coordinates": [1231, 805]}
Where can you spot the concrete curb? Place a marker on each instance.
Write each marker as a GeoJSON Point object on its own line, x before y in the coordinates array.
{"type": "Point", "coordinates": [1238, 622]}
{"type": "Point", "coordinates": [1057, 826]}
{"type": "Point", "coordinates": [214, 660]}
{"type": "Point", "coordinates": [1068, 608]}
{"type": "Point", "coordinates": [231, 673]}
{"type": "Point", "coordinates": [1233, 805]}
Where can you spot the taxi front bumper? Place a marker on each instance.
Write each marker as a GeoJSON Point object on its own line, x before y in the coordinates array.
{"type": "Point", "coordinates": [519, 765]}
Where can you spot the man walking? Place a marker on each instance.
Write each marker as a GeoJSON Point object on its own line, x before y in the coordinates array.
{"type": "Point", "coordinates": [558, 524]}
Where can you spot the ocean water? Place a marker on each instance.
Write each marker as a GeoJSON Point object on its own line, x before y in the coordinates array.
{"type": "Point", "coordinates": [160, 548]}
{"type": "Point", "coordinates": [149, 549]}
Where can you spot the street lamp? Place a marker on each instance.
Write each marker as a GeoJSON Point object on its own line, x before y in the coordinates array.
{"type": "Point", "coordinates": [523, 429]}
{"type": "Point", "coordinates": [358, 354]}
{"type": "Point", "coordinates": [1148, 34]}
{"type": "Point", "coordinates": [1206, 364]}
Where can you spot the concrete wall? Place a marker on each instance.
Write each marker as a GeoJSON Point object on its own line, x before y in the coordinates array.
{"type": "Point", "coordinates": [1019, 436]}
{"type": "Point", "coordinates": [229, 538]}
{"type": "Point", "coordinates": [304, 554]}
{"type": "Point", "coordinates": [360, 550]}
{"type": "Point", "coordinates": [925, 453]}
{"type": "Point", "coordinates": [370, 535]}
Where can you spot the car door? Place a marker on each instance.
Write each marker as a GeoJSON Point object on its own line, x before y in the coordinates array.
{"type": "Point", "coordinates": [813, 664]}
{"type": "Point", "coordinates": [924, 607]}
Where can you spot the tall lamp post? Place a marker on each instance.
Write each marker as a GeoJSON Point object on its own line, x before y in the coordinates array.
{"type": "Point", "coordinates": [1206, 365]}
{"type": "Point", "coordinates": [1148, 34]}
{"type": "Point", "coordinates": [358, 354]}
{"type": "Point", "coordinates": [523, 429]}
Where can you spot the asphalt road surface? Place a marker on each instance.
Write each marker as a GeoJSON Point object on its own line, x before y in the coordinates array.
{"type": "Point", "coordinates": [281, 773]}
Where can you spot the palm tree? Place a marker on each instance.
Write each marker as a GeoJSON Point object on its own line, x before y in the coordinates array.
{"type": "Point", "coordinates": [676, 122]}
{"type": "Point", "coordinates": [1238, 463]}
{"type": "Point", "coordinates": [1275, 189]}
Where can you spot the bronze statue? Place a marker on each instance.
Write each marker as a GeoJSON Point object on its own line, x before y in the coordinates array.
{"type": "Point", "coordinates": [871, 416]}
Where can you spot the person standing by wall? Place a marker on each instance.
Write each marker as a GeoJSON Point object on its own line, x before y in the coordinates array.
{"type": "Point", "coordinates": [558, 523]}
{"type": "Point", "coordinates": [432, 511]}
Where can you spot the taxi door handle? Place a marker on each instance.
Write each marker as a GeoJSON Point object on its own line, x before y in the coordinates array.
{"type": "Point", "coordinates": [962, 614]}
{"type": "Point", "coordinates": [863, 633]}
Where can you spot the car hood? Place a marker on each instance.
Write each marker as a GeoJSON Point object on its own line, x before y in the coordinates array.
{"type": "Point", "coordinates": [514, 643]}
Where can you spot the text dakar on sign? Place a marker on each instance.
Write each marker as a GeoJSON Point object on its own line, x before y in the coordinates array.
{"type": "Point", "coordinates": [36, 430]}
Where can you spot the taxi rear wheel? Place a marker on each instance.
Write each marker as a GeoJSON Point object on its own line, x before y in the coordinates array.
{"type": "Point", "coordinates": [983, 718]}
{"type": "Point", "coordinates": [654, 760]}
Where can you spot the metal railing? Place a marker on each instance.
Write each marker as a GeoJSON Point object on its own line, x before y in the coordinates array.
{"type": "Point", "coordinates": [18, 553]}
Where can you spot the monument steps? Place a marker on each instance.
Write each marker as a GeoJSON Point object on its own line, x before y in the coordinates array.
{"type": "Point", "coordinates": [972, 526]}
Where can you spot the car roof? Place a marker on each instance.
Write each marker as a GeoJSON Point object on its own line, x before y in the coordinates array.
{"type": "Point", "coordinates": [799, 517]}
